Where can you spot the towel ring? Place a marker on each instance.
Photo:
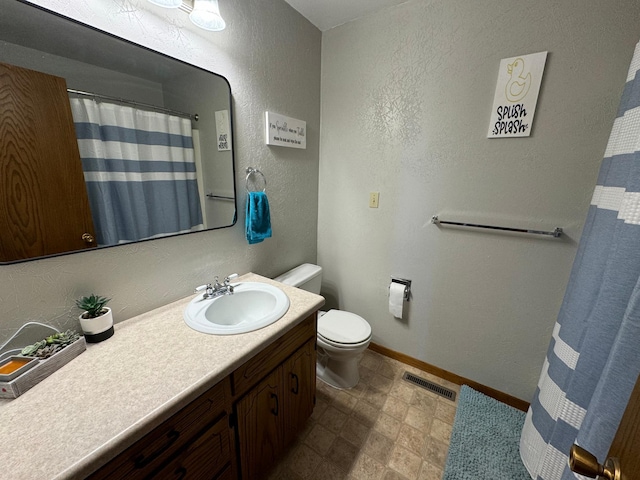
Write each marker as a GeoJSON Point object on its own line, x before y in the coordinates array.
{"type": "Point", "coordinates": [254, 171]}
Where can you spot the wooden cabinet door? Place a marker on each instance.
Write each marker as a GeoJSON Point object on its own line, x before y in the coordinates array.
{"type": "Point", "coordinates": [44, 207]}
{"type": "Point", "coordinates": [260, 426]}
{"type": "Point", "coordinates": [300, 389]}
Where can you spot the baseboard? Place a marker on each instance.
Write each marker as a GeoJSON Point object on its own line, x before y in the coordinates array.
{"type": "Point", "coordinates": [450, 377]}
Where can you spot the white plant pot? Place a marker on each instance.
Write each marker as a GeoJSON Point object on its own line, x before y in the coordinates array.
{"type": "Point", "coordinates": [97, 329]}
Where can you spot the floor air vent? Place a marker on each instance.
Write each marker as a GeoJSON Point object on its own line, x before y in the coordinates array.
{"type": "Point", "coordinates": [432, 387]}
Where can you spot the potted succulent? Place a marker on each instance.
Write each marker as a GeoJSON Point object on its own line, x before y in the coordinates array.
{"type": "Point", "coordinates": [97, 319]}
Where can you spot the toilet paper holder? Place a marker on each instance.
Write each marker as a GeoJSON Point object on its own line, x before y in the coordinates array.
{"type": "Point", "coordinates": [407, 286]}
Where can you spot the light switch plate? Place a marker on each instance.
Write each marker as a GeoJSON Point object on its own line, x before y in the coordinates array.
{"type": "Point", "coordinates": [373, 199]}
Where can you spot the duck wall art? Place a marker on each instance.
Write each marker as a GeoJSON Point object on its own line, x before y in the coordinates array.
{"type": "Point", "coordinates": [519, 83]}
{"type": "Point", "coordinates": [516, 96]}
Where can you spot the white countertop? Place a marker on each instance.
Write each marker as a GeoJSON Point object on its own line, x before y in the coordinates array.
{"type": "Point", "coordinates": [117, 391]}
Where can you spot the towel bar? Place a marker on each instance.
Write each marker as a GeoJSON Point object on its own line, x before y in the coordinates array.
{"type": "Point", "coordinates": [219, 197]}
{"type": "Point", "coordinates": [254, 171]}
{"type": "Point", "coordinates": [557, 232]}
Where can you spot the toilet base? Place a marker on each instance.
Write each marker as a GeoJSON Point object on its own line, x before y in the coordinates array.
{"type": "Point", "coordinates": [338, 374]}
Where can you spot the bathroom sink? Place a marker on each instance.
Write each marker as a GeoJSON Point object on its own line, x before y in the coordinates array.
{"type": "Point", "coordinates": [253, 305]}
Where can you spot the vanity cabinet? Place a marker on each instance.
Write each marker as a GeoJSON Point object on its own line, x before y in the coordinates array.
{"type": "Point", "coordinates": [256, 411]}
{"type": "Point", "coordinates": [272, 413]}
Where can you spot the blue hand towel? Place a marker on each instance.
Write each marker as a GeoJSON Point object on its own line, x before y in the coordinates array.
{"type": "Point", "coordinates": [258, 220]}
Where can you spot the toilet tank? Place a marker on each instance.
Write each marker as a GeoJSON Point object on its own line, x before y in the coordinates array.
{"type": "Point", "coordinates": [306, 276]}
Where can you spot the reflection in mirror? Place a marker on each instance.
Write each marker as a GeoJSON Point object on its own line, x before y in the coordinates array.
{"type": "Point", "coordinates": [104, 142]}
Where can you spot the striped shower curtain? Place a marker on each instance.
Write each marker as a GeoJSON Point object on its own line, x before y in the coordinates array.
{"type": "Point", "coordinates": [139, 170]}
{"type": "Point", "coordinates": [593, 360]}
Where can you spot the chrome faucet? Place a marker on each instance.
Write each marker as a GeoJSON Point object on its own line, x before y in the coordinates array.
{"type": "Point", "coordinates": [217, 289]}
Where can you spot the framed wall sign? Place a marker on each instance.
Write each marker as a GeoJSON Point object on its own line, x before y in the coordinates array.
{"type": "Point", "coordinates": [285, 131]}
{"type": "Point", "coordinates": [514, 103]}
{"type": "Point", "coordinates": [223, 129]}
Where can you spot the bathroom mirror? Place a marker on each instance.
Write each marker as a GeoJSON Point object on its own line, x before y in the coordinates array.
{"type": "Point", "coordinates": [69, 96]}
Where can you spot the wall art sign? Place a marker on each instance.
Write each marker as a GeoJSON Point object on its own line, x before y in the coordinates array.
{"type": "Point", "coordinates": [285, 131]}
{"type": "Point", "coordinates": [223, 130]}
{"type": "Point", "coordinates": [514, 103]}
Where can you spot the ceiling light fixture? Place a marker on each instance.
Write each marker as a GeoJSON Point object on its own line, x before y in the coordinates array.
{"type": "Point", "coordinates": [206, 14]}
{"type": "Point", "coordinates": [167, 3]}
{"type": "Point", "coordinates": [203, 13]}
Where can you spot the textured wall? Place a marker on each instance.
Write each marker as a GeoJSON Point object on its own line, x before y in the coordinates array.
{"type": "Point", "coordinates": [406, 99]}
{"type": "Point", "coordinates": [271, 57]}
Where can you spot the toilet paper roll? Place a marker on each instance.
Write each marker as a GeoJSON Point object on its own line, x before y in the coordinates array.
{"type": "Point", "coordinates": [396, 299]}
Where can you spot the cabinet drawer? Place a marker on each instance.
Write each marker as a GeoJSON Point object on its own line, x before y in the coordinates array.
{"type": "Point", "coordinates": [249, 374]}
{"type": "Point", "coordinates": [204, 458]}
{"type": "Point", "coordinates": [146, 455]}
{"type": "Point", "coordinates": [226, 474]}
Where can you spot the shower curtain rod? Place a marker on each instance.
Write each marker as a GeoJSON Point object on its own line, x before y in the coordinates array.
{"type": "Point", "coordinates": [193, 116]}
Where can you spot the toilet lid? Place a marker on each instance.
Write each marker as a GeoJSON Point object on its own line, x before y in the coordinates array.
{"type": "Point", "coordinates": [343, 327]}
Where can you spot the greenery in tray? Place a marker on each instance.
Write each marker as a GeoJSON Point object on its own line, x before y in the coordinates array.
{"type": "Point", "coordinates": [51, 345]}
{"type": "Point", "coordinates": [93, 304]}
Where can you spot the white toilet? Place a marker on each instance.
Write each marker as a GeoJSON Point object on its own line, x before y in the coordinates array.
{"type": "Point", "coordinates": [342, 336]}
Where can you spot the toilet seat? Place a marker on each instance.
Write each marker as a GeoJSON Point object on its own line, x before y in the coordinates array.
{"type": "Point", "coordinates": [344, 329]}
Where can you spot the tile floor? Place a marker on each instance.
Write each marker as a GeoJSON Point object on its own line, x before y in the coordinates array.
{"type": "Point", "coordinates": [384, 428]}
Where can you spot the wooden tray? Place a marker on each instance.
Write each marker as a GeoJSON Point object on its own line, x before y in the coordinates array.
{"type": "Point", "coordinates": [42, 370]}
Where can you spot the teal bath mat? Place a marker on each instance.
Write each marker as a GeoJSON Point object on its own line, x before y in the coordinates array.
{"type": "Point", "coordinates": [485, 440]}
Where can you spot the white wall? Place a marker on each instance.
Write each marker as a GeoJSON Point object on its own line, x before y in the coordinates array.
{"type": "Point", "coordinates": [271, 57]}
{"type": "Point", "coordinates": [406, 99]}
{"type": "Point", "coordinates": [406, 96]}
